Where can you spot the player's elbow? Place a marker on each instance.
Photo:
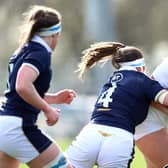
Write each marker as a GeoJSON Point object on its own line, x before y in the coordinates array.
{"type": "Point", "coordinates": [162, 97]}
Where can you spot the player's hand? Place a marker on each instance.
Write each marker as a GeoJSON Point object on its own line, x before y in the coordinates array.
{"type": "Point", "coordinates": [66, 96]}
{"type": "Point", "coordinates": [52, 115]}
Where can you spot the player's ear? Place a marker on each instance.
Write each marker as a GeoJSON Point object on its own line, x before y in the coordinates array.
{"type": "Point", "coordinates": [53, 35]}
{"type": "Point", "coordinates": [140, 69]}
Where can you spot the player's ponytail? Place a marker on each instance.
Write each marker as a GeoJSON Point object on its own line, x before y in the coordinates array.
{"type": "Point", "coordinates": [118, 53]}
{"type": "Point", "coordinates": [97, 52]}
{"type": "Point", "coordinates": [36, 19]}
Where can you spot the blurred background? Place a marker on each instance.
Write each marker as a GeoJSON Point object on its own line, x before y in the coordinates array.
{"type": "Point", "coordinates": [139, 23]}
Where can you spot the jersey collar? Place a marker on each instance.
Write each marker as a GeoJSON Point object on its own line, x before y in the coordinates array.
{"type": "Point", "coordinates": [38, 39]}
{"type": "Point", "coordinates": [127, 68]}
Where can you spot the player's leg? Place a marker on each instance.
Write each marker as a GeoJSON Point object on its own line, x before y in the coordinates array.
{"type": "Point", "coordinates": [7, 161]}
{"type": "Point", "coordinates": [149, 164]}
{"type": "Point", "coordinates": [51, 157]}
{"type": "Point", "coordinates": [154, 147]}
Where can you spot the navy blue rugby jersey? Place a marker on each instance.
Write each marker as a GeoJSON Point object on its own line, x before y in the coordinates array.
{"type": "Point", "coordinates": [37, 55]}
{"type": "Point", "coordinates": [124, 100]}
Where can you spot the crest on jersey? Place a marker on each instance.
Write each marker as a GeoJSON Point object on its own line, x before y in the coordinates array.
{"type": "Point", "coordinates": [117, 77]}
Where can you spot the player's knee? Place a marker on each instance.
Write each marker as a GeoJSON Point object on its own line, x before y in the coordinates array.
{"type": "Point", "coordinates": [59, 162]}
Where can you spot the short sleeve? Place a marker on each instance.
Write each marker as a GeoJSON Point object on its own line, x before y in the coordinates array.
{"type": "Point", "coordinates": [40, 60]}
{"type": "Point", "coordinates": [152, 88]}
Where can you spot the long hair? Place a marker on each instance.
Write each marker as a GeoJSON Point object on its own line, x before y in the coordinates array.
{"type": "Point", "coordinates": [35, 18]}
{"type": "Point", "coordinates": [103, 51]}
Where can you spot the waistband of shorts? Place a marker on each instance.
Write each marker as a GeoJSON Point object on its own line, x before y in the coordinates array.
{"type": "Point", "coordinates": [111, 129]}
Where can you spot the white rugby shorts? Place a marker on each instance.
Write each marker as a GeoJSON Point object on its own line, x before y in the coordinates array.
{"type": "Point", "coordinates": [24, 145]}
{"type": "Point", "coordinates": [108, 147]}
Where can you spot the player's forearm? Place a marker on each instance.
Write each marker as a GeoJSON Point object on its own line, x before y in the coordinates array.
{"type": "Point", "coordinates": [51, 98]}
{"type": "Point", "coordinates": [29, 94]}
{"type": "Point", "coordinates": [64, 96]}
{"type": "Point", "coordinates": [160, 107]}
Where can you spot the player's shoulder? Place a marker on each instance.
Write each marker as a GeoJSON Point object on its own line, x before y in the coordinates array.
{"type": "Point", "coordinates": [36, 47]}
{"type": "Point", "coordinates": [37, 51]}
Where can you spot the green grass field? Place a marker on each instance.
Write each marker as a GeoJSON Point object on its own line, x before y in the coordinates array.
{"type": "Point", "coordinates": [138, 161]}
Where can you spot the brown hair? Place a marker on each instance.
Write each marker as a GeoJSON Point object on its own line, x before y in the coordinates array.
{"type": "Point", "coordinates": [102, 51]}
{"type": "Point", "coordinates": [37, 17]}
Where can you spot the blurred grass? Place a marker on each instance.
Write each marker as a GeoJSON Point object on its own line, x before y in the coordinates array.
{"type": "Point", "coordinates": [138, 161]}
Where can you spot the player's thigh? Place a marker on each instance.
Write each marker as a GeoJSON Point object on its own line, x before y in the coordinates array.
{"type": "Point", "coordinates": [149, 164]}
{"type": "Point", "coordinates": [45, 157]}
{"type": "Point", "coordinates": [8, 161]}
{"type": "Point", "coordinates": [154, 146]}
